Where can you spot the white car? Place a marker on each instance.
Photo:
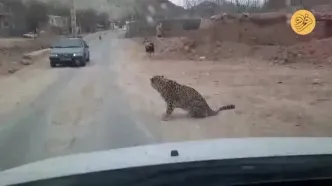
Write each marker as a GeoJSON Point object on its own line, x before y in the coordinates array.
{"type": "Point", "coordinates": [30, 35]}
{"type": "Point", "coordinates": [246, 161]}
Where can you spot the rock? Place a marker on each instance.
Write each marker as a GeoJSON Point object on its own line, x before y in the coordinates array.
{"type": "Point", "coordinates": [26, 62]}
{"type": "Point", "coordinates": [33, 56]}
{"type": "Point", "coordinates": [316, 82]}
{"type": "Point", "coordinates": [12, 71]}
{"type": "Point", "coordinates": [329, 60]}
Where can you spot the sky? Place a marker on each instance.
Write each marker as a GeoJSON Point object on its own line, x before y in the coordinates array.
{"type": "Point", "coordinates": [177, 2]}
{"type": "Point", "coordinates": [180, 2]}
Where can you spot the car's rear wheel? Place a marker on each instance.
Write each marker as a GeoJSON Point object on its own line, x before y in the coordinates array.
{"type": "Point", "coordinates": [80, 62]}
{"type": "Point", "coordinates": [88, 59]}
{"type": "Point", "coordinates": [83, 63]}
{"type": "Point", "coordinates": [52, 64]}
{"type": "Point", "coordinates": [77, 62]}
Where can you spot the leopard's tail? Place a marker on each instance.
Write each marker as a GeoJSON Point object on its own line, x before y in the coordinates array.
{"type": "Point", "coordinates": [226, 107]}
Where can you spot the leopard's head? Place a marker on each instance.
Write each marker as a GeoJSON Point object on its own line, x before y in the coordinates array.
{"type": "Point", "coordinates": [158, 82]}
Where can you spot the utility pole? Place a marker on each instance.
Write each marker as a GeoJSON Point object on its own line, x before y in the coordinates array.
{"type": "Point", "coordinates": [73, 18]}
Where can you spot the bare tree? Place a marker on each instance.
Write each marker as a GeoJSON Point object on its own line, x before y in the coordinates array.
{"type": "Point", "coordinates": [275, 4]}
{"type": "Point", "coordinates": [188, 4]}
{"type": "Point", "coordinates": [228, 5]}
{"type": "Point", "coordinates": [37, 14]}
{"type": "Point", "coordinates": [248, 5]}
{"type": "Point", "coordinates": [56, 8]}
{"type": "Point", "coordinates": [102, 19]}
{"type": "Point", "coordinates": [87, 19]}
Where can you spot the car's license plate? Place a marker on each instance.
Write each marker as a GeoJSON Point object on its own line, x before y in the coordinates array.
{"type": "Point", "coordinates": [65, 58]}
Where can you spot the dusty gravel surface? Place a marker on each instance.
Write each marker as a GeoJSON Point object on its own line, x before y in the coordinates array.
{"type": "Point", "coordinates": [271, 100]}
{"type": "Point", "coordinates": [109, 104]}
{"type": "Point", "coordinates": [47, 112]}
{"type": "Point", "coordinates": [12, 50]}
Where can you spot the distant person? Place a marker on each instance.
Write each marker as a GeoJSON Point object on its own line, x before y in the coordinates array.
{"type": "Point", "coordinates": [159, 30]}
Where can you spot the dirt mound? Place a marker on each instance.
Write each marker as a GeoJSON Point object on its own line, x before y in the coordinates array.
{"type": "Point", "coordinates": [260, 19]}
{"type": "Point", "coordinates": [172, 48]}
{"type": "Point", "coordinates": [187, 48]}
{"type": "Point", "coordinates": [315, 51]}
{"type": "Point", "coordinates": [12, 50]}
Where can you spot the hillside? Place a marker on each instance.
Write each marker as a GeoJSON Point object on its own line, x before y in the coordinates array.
{"type": "Point", "coordinates": [160, 8]}
{"type": "Point", "coordinates": [121, 8]}
{"type": "Point", "coordinates": [101, 5]}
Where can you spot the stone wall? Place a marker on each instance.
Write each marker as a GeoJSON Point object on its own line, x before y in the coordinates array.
{"type": "Point", "coordinates": [171, 27]}
{"type": "Point", "coordinates": [262, 29]}
{"type": "Point", "coordinates": [253, 29]}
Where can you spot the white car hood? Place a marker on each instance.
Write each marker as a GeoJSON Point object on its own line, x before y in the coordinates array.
{"type": "Point", "coordinates": [160, 154]}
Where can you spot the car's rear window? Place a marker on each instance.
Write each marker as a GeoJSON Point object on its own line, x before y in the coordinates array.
{"type": "Point", "coordinates": [67, 43]}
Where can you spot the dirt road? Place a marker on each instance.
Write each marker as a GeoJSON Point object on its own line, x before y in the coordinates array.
{"type": "Point", "coordinates": [47, 112]}
{"type": "Point", "coordinates": [109, 104]}
{"type": "Point", "coordinates": [271, 100]}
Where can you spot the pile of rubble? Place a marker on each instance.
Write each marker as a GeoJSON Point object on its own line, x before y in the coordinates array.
{"type": "Point", "coordinates": [322, 12]}
{"type": "Point", "coordinates": [174, 48]}
{"type": "Point", "coordinates": [315, 51]}
{"type": "Point", "coordinates": [258, 18]}
{"type": "Point", "coordinates": [13, 49]}
{"type": "Point", "coordinates": [205, 43]}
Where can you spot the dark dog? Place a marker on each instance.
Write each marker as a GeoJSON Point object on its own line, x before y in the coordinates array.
{"type": "Point", "coordinates": [149, 48]}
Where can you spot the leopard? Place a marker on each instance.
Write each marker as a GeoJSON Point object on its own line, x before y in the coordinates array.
{"type": "Point", "coordinates": [184, 97]}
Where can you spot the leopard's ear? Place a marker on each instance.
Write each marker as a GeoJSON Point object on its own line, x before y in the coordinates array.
{"type": "Point", "coordinates": [158, 77]}
{"type": "Point", "coordinates": [154, 78]}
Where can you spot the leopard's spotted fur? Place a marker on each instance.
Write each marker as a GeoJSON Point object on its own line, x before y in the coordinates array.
{"type": "Point", "coordinates": [184, 97]}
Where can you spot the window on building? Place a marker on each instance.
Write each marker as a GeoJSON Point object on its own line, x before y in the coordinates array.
{"type": "Point", "coordinates": [296, 2]}
{"type": "Point", "coordinates": [6, 24]}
